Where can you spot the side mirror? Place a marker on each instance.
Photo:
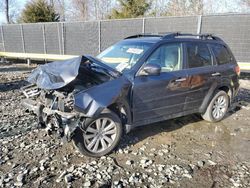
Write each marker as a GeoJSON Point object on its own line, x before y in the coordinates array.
{"type": "Point", "coordinates": [150, 69]}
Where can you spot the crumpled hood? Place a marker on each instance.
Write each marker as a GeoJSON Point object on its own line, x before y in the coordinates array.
{"type": "Point", "coordinates": [56, 74]}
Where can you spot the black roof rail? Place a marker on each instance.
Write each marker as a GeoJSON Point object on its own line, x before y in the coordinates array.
{"type": "Point", "coordinates": [142, 35]}
{"type": "Point", "coordinates": [209, 35]}
{"type": "Point", "coordinates": [172, 35]}
{"type": "Point", "coordinates": [200, 36]}
{"type": "Point", "coordinates": [163, 35]}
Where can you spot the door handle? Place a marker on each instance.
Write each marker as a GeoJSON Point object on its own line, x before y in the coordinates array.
{"type": "Point", "coordinates": [180, 80]}
{"type": "Point", "coordinates": [216, 74]}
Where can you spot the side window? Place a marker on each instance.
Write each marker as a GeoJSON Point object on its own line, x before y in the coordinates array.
{"type": "Point", "coordinates": [168, 56]}
{"type": "Point", "coordinates": [221, 54]}
{"type": "Point", "coordinates": [198, 55]}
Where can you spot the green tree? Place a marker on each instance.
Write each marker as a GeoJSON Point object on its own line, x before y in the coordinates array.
{"type": "Point", "coordinates": [130, 9]}
{"type": "Point", "coordinates": [39, 11]}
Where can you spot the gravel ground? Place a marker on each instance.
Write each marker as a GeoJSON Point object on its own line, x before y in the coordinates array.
{"type": "Point", "coordinates": [184, 152]}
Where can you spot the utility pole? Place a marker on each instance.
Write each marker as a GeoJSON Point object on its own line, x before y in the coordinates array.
{"type": "Point", "coordinates": [7, 16]}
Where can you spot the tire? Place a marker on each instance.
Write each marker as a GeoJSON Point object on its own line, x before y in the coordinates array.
{"type": "Point", "coordinates": [84, 144]}
{"type": "Point", "coordinates": [210, 114]}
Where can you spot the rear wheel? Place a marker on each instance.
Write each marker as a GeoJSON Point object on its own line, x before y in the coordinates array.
{"type": "Point", "coordinates": [217, 108]}
{"type": "Point", "coordinates": [99, 136]}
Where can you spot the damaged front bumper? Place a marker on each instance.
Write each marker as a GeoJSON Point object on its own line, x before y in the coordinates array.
{"type": "Point", "coordinates": [63, 123]}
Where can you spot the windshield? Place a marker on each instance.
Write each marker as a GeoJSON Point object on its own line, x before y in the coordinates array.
{"type": "Point", "coordinates": [123, 56]}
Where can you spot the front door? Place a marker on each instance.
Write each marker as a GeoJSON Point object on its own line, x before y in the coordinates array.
{"type": "Point", "coordinates": [156, 98]}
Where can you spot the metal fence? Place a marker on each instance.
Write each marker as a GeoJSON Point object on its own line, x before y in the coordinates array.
{"type": "Point", "coordinates": [91, 37]}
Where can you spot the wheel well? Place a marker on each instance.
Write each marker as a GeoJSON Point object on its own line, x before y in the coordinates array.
{"type": "Point", "coordinates": [227, 90]}
{"type": "Point", "coordinates": [114, 108]}
{"type": "Point", "coordinates": [122, 113]}
{"type": "Point", "coordinates": [122, 110]}
{"type": "Point", "coordinates": [224, 88]}
{"type": "Point", "coordinates": [210, 95]}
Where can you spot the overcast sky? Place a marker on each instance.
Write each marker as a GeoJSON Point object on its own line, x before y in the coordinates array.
{"type": "Point", "coordinates": [221, 6]}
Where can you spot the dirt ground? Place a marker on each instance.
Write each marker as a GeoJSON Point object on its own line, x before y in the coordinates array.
{"type": "Point", "coordinates": [183, 152]}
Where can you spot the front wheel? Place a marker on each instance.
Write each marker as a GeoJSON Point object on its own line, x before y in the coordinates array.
{"type": "Point", "coordinates": [217, 108]}
{"type": "Point", "coordinates": [98, 136]}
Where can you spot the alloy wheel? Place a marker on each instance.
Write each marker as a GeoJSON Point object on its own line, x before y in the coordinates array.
{"type": "Point", "coordinates": [219, 107]}
{"type": "Point", "coordinates": [100, 135]}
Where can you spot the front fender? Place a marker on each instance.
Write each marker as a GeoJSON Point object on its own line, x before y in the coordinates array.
{"type": "Point", "coordinates": [93, 101]}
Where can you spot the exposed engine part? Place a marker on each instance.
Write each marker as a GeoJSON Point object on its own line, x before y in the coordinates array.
{"type": "Point", "coordinates": [70, 126]}
{"type": "Point", "coordinates": [53, 125]}
{"type": "Point", "coordinates": [63, 114]}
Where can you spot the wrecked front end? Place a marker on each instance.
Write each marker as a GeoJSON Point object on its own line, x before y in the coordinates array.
{"type": "Point", "coordinates": [54, 110]}
{"type": "Point", "coordinates": [62, 94]}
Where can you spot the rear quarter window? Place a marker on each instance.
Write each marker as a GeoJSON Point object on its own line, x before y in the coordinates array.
{"type": "Point", "coordinates": [221, 54]}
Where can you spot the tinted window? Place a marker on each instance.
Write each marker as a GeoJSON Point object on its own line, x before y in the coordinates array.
{"type": "Point", "coordinates": [221, 54]}
{"type": "Point", "coordinates": [198, 55]}
{"type": "Point", "coordinates": [168, 56]}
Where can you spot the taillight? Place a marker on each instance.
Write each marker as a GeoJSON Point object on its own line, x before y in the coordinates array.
{"type": "Point", "coordinates": [237, 70]}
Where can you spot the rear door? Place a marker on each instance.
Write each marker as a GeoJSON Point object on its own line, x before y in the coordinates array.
{"type": "Point", "coordinates": [156, 98]}
{"type": "Point", "coordinates": [224, 59]}
{"type": "Point", "coordinates": [200, 74]}
{"type": "Point", "coordinates": [225, 66]}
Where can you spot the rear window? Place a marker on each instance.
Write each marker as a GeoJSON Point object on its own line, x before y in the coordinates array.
{"type": "Point", "coordinates": [221, 54]}
{"type": "Point", "coordinates": [198, 55]}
